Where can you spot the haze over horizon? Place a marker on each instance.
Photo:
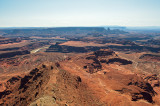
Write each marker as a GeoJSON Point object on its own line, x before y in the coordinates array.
{"type": "Point", "coordinates": [57, 13]}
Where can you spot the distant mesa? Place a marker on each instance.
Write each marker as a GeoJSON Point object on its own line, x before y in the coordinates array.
{"type": "Point", "coordinates": [61, 31]}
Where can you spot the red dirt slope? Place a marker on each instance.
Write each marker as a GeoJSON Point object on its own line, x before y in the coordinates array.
{"type": "Point", "coordinates": [93, 79]}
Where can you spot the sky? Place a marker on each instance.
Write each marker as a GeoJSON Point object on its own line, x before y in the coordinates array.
{"type": "Point", "coordinates": [57, 13]}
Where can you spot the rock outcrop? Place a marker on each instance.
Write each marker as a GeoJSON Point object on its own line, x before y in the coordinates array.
{"type": "Point", "coordinates": [23, 90]}
{"type": "Point", "coordinates": [153, 80]}
{"type": "Point", "coordinates": [103, 56]}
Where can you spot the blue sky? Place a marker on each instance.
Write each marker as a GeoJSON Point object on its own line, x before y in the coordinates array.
{"type": "Point", "coordinates": [53, 13]}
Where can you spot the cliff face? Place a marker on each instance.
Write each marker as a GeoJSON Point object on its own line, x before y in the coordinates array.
{"type": "Point", "coordinates": [11, 40]}
{"type": "Point", "coordinates": [74, 49]}
{"type": "Point", "coordinates": [155, 58]}
{"type": "Point", "coordinates": [88, 79]}
{"type": "Point", "coordinates": [14, 53]}
{"type": "Point", "coordinates": [66, 49]}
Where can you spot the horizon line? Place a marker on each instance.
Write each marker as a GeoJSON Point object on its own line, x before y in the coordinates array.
{"type": "Point", "coordinates": [71, 26]}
